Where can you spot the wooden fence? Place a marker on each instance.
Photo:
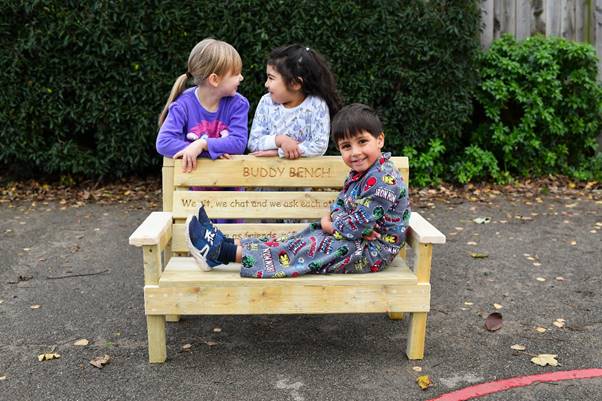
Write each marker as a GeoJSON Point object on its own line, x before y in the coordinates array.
{"type": "Point", "coordinates": [579, 20]}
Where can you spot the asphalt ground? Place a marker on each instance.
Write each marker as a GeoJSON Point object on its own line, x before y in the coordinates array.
{"type": "Point", "coordinates": [543, 263]}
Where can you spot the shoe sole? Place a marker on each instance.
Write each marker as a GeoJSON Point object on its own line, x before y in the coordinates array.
{"type": "Point", "coordinates": [196, 255]}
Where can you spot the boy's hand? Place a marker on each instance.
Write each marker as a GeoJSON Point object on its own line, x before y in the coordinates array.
{"type": "Point", "coordinates": [265, 153]}
{"type": "Point", "coordinates": [372, 236]}
{"type": "Point", "coordinates": [190, 153]}
{"type": "Point", "coordinates": [289, 146]}
{"type": "Point", "coordinates": [326, 223]}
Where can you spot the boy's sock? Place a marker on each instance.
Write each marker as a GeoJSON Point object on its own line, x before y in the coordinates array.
{"type": "Point", "coordinates": [204, 244]}
{"type": "Point", "coordinates": [205, 220]}
{"type": "Point", "coordinates": [227, 253]}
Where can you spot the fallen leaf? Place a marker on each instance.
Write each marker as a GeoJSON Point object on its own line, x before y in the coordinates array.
{"type": "Point", "coordinates": [559, 323]}
{"type": "Point", "coordinates": [217, 330]}
{"type": "Point", "coordinates": [493, 321]}
{"type": "Point", "coordinates": [573, 242]}
{"type": "Point", "coordinates": [186, 347]}
{"type": "Point", "coordinates": [540, 279]}
{"type": "Point", "coordinates": [497, 306]}
{"type": "Point", "coordinates": [536, 264]}
{"type": "Point", "coordinates": [468, 303]}
{"type": "Point", "coordinates": [477, 255]}
{"type": "Point", "coordinates": [540, 329]}
{"type": "Point", "coordinates": [81, 342]}
{"type": "Point", "coordinates": [35, 306]}
{"type": "Point", "coordinates": [210, 343]}
{"type": "Point", "coordinates": [545, 359]}
{"type": "Point", "coordinates": [471, 243]}
{"type": "Point", "coordinates": [417, 369]}
{"type": "Point", "coordinates": [48, 357]}
{"type": "Point", "coordinates": [482, 220]}
{"type": "Point", "coordinates": [424, 382]}
{"type": "Point", "coordinates": [518, 347]}
{"type": "Point", "coordinates": [2, 378]}
{"type": "Point", "coordinates": [560, 278]}
{"type": "Point", "coordinates": [100, 361]}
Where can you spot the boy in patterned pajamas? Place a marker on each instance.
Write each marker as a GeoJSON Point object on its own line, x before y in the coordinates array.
{"type": "Point", "coordinates": [362, 232]}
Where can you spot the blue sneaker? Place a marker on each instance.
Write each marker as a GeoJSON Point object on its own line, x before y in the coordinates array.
{"type": "Point", "coordinates": [203, 243]}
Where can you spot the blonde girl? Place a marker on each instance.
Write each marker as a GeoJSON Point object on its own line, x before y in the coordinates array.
{"type": "Point", "coordinates": [210, 118]}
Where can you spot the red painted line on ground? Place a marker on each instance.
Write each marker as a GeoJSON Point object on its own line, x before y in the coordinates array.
{"type": "Point", "coordinates": [482, 389]}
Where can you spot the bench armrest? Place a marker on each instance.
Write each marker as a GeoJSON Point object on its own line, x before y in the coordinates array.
{"type": "Point", "coordinates": [423, 232]}
{"type": "Point", "coordinates": [155, 230]}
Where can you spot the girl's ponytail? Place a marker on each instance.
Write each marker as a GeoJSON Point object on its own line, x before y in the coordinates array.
{"type": "Point", "coordinates": [177, 88]}
{"type": "Point", "coordinates": [299, 64]}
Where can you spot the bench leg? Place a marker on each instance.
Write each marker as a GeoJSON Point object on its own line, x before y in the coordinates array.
{"type": "Point", "coordinates": [172, 318]}
{"type": "Point", "coordinates": [396, 315]}
{"type": "Point", "coordinates": [157, 348]}
{"type": "Point", "coordinates": [416, 335]}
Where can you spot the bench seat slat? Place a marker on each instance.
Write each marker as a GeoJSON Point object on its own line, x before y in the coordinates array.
{"type": "Point", "coordinates": [183, 272]}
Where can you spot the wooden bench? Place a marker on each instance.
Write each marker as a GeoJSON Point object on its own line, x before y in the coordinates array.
{"type": "Point", "coordinates": [174, 285]}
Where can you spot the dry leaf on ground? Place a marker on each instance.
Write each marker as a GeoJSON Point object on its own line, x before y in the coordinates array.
{"type": "Point", "coordinates": [545, 359]}
{"type": "Point", "coordinates": [482, 220]}
{"type": "Point", "coordinates": [186, 347]}
{"type": "Point", "coordinates": [35, 306]}
{"type": "Point", "coordinates": [48, 356]}
{"type": "Point", "coordinates": [518, 347]}
{"type": "Point", "coordinates": [559, 323]}
{"type": "Point", "coordinates": [100, 361]}
{"type": "Point", "coordinates": [424, 382]}
{"type": "Point", "coordinates": [417, 369]}
{"type": "Point", "coordinates": [540, 329]}
{"type": "Point", "coordinates": [81, 342]}
{"type": "Point", "coordinates": [477, 255]}
{"type": "Point", "coordinates": [493, 321]}
{"type": "Point", "coordinates": [497, 306]}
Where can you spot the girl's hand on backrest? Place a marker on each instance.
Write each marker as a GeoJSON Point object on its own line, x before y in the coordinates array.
{"type": "Point", "coordinates": [190, 153]}
{"type": "Point", "coordinates": [265, 153]}
{"type": "Point", "coordinates": [289, 146]}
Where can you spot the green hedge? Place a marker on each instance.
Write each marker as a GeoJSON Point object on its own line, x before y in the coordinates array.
{"type": "Point", "coordinates": [83, 83]}
{"type": "Point", "coordinates": [539, 111]}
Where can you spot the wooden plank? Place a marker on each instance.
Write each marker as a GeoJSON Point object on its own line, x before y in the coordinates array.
{"type": "Point", "coordinates": [254, 205]}
{"type": "Point", "coordinates": [157, 347]}
{"type": "Point", "coordinates": [251, 171]}
{"type": "Point", "coordinates": [498, 17]}
{"type": "Point", "coordinates": [416, 336]}
{"type": "Point", "coordinates": [423, 231]}
{"type": "Point", "coordinates": [598, 35]}
{"type": "Point", "coordinates": [183, 272]}
{"type": "Point", "coordinates": [567, 21]}
{"type": "Point", "coordinates": [237, 231]}
{"type": "Point", "coordinates": [152, 264]}
{"type": "Point", "coordinates": [538, 22]}
{"type": "Point", "coordinates": [487, 17]}
{"type": "Point", "coordinates": [423, 254]}
{"type": "Point", "coordinates": [287, 299]}
{"type": "Point", "coordinates": [154, 230]}
{"type": "Point", "coordinates": [167, 186]}
{"type": "Point", "coordinates": [523, 19]}
{"type": "Point", "coordinates": [553, 18]}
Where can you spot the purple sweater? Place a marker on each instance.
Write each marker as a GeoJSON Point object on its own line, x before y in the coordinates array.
{"type": "Point", "coordinates": [225, 130]}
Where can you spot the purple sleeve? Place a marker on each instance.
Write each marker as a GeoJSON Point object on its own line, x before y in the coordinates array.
{"type": "Point", "coordinates": [171, 138]}
{"type": "Point", "coordinates": [236, 142]}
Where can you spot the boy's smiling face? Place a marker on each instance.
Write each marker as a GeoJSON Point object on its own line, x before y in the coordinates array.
{"type": "Point", "coordinates": [360, 151]}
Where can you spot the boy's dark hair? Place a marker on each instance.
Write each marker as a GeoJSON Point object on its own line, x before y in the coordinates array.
{"type": "Point", "coordinates": [351, 120]}
{"type": "Point", "coordinates": [316, 79]}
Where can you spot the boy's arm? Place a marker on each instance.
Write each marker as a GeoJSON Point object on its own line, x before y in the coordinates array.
{"type": "Point", "coordinates": [236, 142]}
{"type": "Point", "coordinates": [171, 138]}
{"type": "Point", "coordinates": [319, 132]}
{"type": "Point", "coordinates": [260, 137]}
{"type": "Point", "coordinates": [370, 207]}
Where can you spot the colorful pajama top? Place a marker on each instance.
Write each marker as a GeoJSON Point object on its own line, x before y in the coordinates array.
{"type": "Point", "coordinates": [225, 129]}
{"type": "Point", "coordinates": [374, 200]}
{"type": "Point", "coordinates": [308, 124]}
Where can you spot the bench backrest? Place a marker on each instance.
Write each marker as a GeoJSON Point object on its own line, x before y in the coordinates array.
{"type": "Point", "coordinates": [324, 175]}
